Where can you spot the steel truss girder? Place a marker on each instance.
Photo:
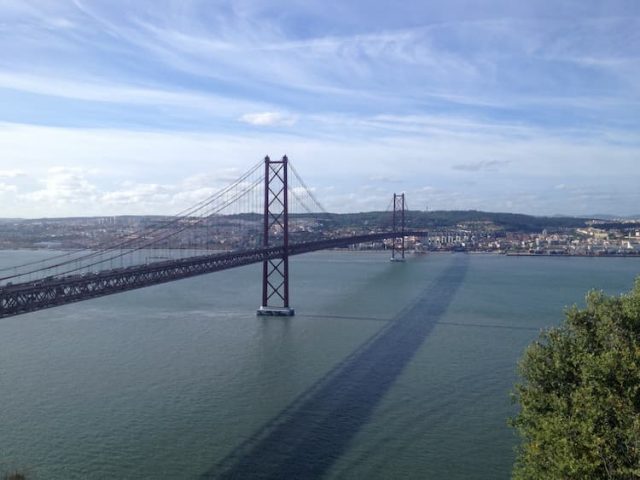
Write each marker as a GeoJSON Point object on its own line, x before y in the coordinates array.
{"type": "Point", "coordinates": [32, 296]}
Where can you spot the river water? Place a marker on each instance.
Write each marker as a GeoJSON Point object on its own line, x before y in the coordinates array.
{"type": "Point", "coordinates": [388, 370]}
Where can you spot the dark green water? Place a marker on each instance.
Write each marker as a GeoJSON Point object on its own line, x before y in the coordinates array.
{"type": "Point", "coordinates": [388, 371]}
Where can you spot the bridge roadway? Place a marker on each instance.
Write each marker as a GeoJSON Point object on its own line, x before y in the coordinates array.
{"type": "Point", "coordinates": [37, 295]}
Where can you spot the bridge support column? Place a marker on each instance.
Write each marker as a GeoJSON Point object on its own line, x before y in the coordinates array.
{"type": "Point", "coordinates": [275, 272]}
{"type": "Point", "coordinates": [397, 252]}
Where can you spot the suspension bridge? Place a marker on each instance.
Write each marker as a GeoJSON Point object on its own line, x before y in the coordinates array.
{"type": "Point", "coordinates": [265, 216]}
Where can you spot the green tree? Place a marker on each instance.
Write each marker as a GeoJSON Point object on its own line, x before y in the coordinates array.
{"type": "Point", "coordinates": [579, 396]}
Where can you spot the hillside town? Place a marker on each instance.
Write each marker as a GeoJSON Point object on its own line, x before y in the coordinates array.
{"type": "Point", "coordinates": [589, 241]}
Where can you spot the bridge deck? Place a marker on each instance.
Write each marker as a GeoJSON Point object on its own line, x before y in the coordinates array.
{"type": "Point", "coordinates": [31, 296]}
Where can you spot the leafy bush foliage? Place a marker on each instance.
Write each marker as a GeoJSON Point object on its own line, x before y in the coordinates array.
{"type": "Point", "coordinates": [580, 394]}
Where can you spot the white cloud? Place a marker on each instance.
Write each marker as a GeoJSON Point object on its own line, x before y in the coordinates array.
{"type": "Point", "coordinates": [481, 165]}
{"type": "Point", "coordinates": [7, 188]}
{"type": "Point", "coordinates": [137, 195]}
{"type": "Point", "coordinates": [12, 173]}
{"type": "Point", "coordinates": [269, 119]}
{"type": "Point", "coordinates": [64, 187]}
{"type": "Point", "coordinates": [389, 178]}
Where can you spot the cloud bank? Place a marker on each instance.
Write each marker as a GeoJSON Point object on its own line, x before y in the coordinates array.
{"type": "Point", "coordinates": [115, 107]}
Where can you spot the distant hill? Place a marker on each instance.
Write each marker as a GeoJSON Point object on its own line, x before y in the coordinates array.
{"type": "Point", "coordinates": [604, 216]}
{"type": "Point", "coordinates": [430, 220]}
{"type": "Point", "coordinates": [507, 221]}
{"type": "Point", "coordinates": [510, 222]}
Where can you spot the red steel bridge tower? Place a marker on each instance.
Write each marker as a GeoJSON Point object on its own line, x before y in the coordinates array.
{"type": "Point", "coordinates": [275, 271]}
{"type": "Point", "coordinates": [397, 250]}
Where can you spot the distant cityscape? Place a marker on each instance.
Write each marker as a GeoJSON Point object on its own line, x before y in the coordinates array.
{"type": "Point", "coordinates": [589, 241]}
{"type": "Point", "coordinates": [448, 231]}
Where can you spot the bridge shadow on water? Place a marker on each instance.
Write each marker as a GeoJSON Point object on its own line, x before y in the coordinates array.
{"type": "Point", "coordinates": [305, 439]}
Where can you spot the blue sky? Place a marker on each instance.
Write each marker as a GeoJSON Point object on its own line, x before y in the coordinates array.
{"type": "Point", "coordinates": [119, 107]}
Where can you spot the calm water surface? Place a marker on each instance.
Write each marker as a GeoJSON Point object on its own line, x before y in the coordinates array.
{"type": "Point", "coordinates": [388, 370]}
